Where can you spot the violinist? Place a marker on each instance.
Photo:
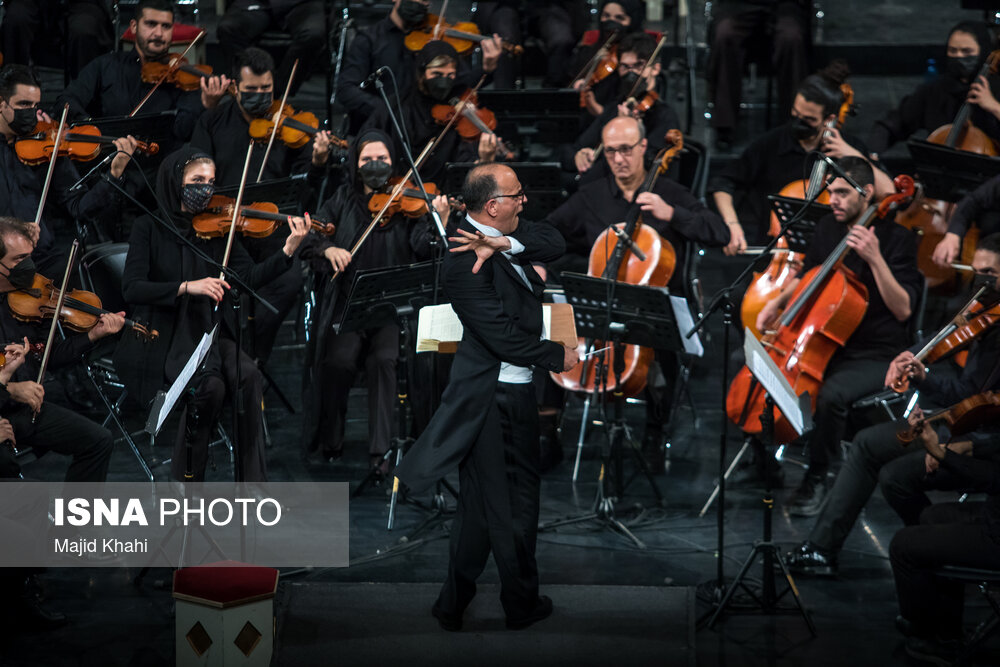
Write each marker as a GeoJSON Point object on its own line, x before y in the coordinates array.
{"type": "Point", "coordinates": [669, 208]}
{"type": "Point", "coordinates": [936, 102]}
{"type": "Point", "coordinates": [42, 425]}
{"type": "Point", "coordinates": [177, 292]}
{"type": "Point", "coordinates": [981, 207]}
{"type": "Point", "coordinates": [617, 18]}
{"type": "Point", "coordinates": [333, 360]}
{"type": "Point", "coordinates": [876, 456]}
{"type": "Point", "coordinates": [22, 185]}
{"type": "Point", "coordinates": [657, 117]}
{"type": "Point", "coordinates": [435, 83]}
{"type": "Point", "coordinates": [111, 85]}
{"type": "Point", "coordinates": [883, 258]}
{"type": "Point", "coordinates": [304, 20]}
{"type": "Point", "coordinates": [382, 45]}
{"type": "Point", "coordinates": [781, 155]}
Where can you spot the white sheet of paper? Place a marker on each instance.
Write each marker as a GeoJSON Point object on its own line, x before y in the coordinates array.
{"type": "Point", "coordinates": [682, 313]}
{"type": "Point", "coordinates": [774, 383]}
{"type": "Point", "coordinates": [193, 362]}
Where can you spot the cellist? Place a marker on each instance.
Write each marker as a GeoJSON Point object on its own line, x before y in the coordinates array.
{"type": "Point", "coordinates": [980, 207]}
{"type": "Point", "coordinates": [884, 260]}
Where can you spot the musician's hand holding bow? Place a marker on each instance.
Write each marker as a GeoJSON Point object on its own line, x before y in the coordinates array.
{"type": "Point", "coordinates": [7, 431]}
{"type": "Point", "coordinates": [126, 148]}
{"type": "Point", "coordinates": [213, 288]}
{"type": "Point", "coordinates": [28, 392]}
{"type": "Point", "coordinates": [212, 90]}
{"type": "Point", "coordinates": [947, 249]}
{"type": "Point", "coordinates": [339, 257]}
{"type": "Point", "coordinates": [484, 246]}
{"type": "Point", "coordinates": [905, 365]}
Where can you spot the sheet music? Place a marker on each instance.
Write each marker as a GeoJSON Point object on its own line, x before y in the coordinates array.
{"type": "Point", "coordinates": [435, 325]}
{"type": "Point", "coordinates": [177, 388]}
{"type": "Point", "coordinates": [795, 408]}
{"type": "Point", "coordinates": [682, 313]}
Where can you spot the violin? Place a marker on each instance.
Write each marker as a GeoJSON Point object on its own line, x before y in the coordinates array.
{"type": "Point", "coordinates": [603, 64]}
{"type": "Point", "coordinates": [471, 122]}
{"type": "Point", "coordinates": [409, 201]}
{"type": "Point", "coordinates": [257, 220]}
{"type": "Point", "coordinates": [965, 416]}
{"type": "Point", "coordinates": [33, 348]}
{"type": "Point", "coordinates": [176, 71]}
{"type": "Point", "coordinates": [295, 128]}
{"type": "Point", "coordinates": [826, 307]}
{"type": "Point", "coordinates": [462, 36]}
{"type": "Point", "coordinates": [81, 142]}
{"type": "Point", "coordinates": [81, 310]}
{"type": "Point", "coordinates": [616, 261]}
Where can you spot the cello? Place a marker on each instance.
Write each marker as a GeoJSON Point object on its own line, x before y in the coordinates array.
{"type": "Point", "coordinates": [612, 260]}
{"type": "Point", "coordinates": [785, 264]}
{"type": "Point", "coordinates": [826, 307]}
{"type": "Point", "coordinates": [930, 216]}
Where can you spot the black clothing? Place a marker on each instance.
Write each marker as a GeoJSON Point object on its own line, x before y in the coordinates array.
{"type": "Point", "coordinates": [21, 189]}
{"type": "Point", "coordinates": [930, 106]}
{"type": "Point", "coordinates": [490, 428]}
{"type": "Point", "coordinates": [304, 20]}
{"type": "Point", "coordinates": [785, 27]}
{"type": "Point", "coordinates": [597, 205]}
{"type": "Point", "coordinates": [980, 208]}
{"type": "Point", "coordinates": [880, 334]}
{"type": "Point", "coordinates": [84, 26]}
{"type": "Point", "coordinates": [381, 45]}
{"type": "Point", "coordinates": [769, 163]}
{"type": "Point", "coordinates": [111, 85]}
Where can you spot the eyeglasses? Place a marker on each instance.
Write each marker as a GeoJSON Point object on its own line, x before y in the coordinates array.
{"type": "Point", "coordinates": [621, 150]}
{"type": "Point", "coordinates": [517, 195]}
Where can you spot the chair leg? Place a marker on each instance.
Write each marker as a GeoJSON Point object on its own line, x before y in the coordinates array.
{"type": "Point", "coordinates": [113, 409]}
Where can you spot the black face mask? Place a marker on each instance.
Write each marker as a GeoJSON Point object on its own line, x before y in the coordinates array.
{"type": "Point", "coordinates": [439, 88]}
{"type": "Point", "coordinates": [195, 196]}
{"type": "Point", "coordinates": [412, 13]}
{"type": "Point", "coordinates": [24, 121]}
{"type": "Point", "coordinates": [375, 174]}
{"type": "Point", "coordinates": [626, 83]}
{"type": "Point", "coordinates": [801, 130]}
{"type": "Point", "coordinates": [990, 282]}
{"type": "Point", "coordinates": [961, 68]}
{"type": "Point", "coordinates": [608, 27]}
{"type": "Point", "coordinates": [22, 276]}
{"type": "Point", "coordinates": [256, 104]}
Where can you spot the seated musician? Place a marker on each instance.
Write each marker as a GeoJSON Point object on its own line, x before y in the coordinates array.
{"type": "Point", "coordinates": [877, 457]}
{"type": "Point", "coordinates": [37, 423]}
{"type": "Point", "coordinates": [29, 26]}
{"type": "Point", "coordinates": [333, 359]}
{"type": "Point", "coordinates": [382, 45]}
{"type": "Point", "coordinates": [936, 102]}
{"type": "Point", "coordinates": [883, 258]}
{"type": "Point", "coordinates": [949, 534]}
{"type": "Point", "coordinates": [781, 155]}
{"type": "Point", "coordinates": [304, 20]}
{"type": "Point", "coordinates": [436, 83]}
{"type": "Point", "coordinates": [732, 27]}
{"type": "Point", "coordinates": [668, 208]}
{"type": "Point", "coordinates": [980, 208]}
{"type": "Point", "coordinates": [634, 50]}
{"type": "Point", "coordinates": [23, 185]}
{"type": "Point", "coordinates": [111, 85]}
{"type": "Point", "coordinates": [177, 292]}
{"type": "Point", "coordinates": [618, 18]}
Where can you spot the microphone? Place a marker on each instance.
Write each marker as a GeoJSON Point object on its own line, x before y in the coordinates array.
{"type": "Point", "coordinates": [842, 174]}
{"type": "Point", "coordinates": [79, 184]}
{"type": "Point", "coordinates": [373, 77]}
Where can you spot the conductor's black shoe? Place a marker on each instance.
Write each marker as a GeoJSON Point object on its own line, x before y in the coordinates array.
{"type": "Point", "coordinates": [935, 652]}
{"type": "Point", "coordinates": [808, 559]}
{"type": "Point", "coordinates": [542, 610]}
{"type": "Point", "coordinates": [449, 622]}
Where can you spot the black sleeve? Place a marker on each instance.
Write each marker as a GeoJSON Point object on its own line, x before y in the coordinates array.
{"type": "Point", "coordinates": [137, 288]}
{"type": "Point", "coordinates": [568, 220]}
{"type": "Point", "coordinates": [984, 358]}
{"type": "Point", "coordinates": [80, 93]}
{"type": "Point", "coordinates": [189, 109]}
{"type": "Point", "coordinates": [692, 219]}
{"type": "Point", "coordinates": [984, 198]}
{"type": "Point", "coordinates": [201, 136]}
{"type": "Point", "coordinates": [356, 67]}
{"type": "Point", "coordinates": [739, 175]}
{"type": "Point", "coordinates": [983, 474]}
{"type": "Point", "coordinates": [258, 274]}
{"type": "Point", "coordinates": [67, 351]}
{"type": "Point", "coordinates": [899, 123]}
{"type": "Point", "coordinates": [542, 242]}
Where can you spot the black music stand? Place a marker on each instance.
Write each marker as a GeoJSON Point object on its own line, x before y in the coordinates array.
{"type": "Point", "coordinates": [949, 174]}
{"type": "Point", "coordinates": [378, 297]}
{"type": "Point", "coordinates": [797, 409]}
{"type": "Point", "coordinates": [798, 236]}
{"type": "Point", "coordinates": [636, 315]}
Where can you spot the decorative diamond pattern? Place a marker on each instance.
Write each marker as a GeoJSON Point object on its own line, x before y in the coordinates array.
{"type": "Point", "coordinates": [198, 637]}
{"type": "Point", "coordinates": [248, 639]}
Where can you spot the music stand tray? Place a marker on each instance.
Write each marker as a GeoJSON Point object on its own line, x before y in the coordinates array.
{"type": "Point", "coordinates": [949, 174]}
{"type": "Point", "coordinates": [379, 295]}
{"type": "Point", "coordinates": [799, 235]}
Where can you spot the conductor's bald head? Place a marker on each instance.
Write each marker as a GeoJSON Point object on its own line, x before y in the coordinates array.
{"type": "Point", "coordinates": [493, 196]}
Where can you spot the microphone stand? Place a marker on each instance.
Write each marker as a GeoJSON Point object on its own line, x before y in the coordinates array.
{"type": "Point", "coordinates": [722, 300]}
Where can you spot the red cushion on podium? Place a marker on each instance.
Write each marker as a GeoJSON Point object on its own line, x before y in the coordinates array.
{"type": "Point", "coordinates": [590, 37]}
{"type": "Point", "coordinates": [183, 33]}
{"type": "Point", "coordinates": [225, 584]}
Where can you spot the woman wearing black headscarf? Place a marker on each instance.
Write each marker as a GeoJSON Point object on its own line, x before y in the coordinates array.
{"type": "Point", "coordinates": [177, 293]}
{"type": "Point", "coordinates": [332, 360]}
{"type": "Point", "coordinates": [616, 18]}
{"type": "Point", "coordinates": [437, 66]}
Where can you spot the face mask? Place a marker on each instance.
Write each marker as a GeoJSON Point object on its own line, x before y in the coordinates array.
{"type": "Point", "coordinates": [24, 121]}
{"type": "Point", "coordinates": [608, 27]}
{"type": "Point", "coordinates": [981, 279]}
{"type": "Point", "coordinates": [439, 88]}
{"type": "Point", "coordinates": [256, 104]}
{"type": "Point", "coordinates": [23, 274]}
{"type": "Point", "coordinates": [626, 83]}
{"type": "Point", "coordinates": [412, 13]}
{"type": "Point", "coordinates": [801, 130]}
{"type": "Point", "coordinates": [375, 174]}
{"type": "Point", "coordinates": [195, 196]}
{"type": "Point", "coordinates": [961, 68]}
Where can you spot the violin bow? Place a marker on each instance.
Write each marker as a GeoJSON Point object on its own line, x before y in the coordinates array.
{"type": "Point", "coordinates": [276, 122]}
{"type": "Point", "coordinates": [52, 167]}
{"type": "Point", "coordinates": [438, 27]}
{"type": "Point", "coordinates": [238, 205]}
{"type": "Point", "coordinates": [165, 75]}
{"type": "Point", "coordinates": [60, 299]}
